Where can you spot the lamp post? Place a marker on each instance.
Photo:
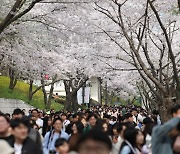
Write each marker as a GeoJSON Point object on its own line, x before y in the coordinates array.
{"type": "Point", "coordinates": [83, 93]}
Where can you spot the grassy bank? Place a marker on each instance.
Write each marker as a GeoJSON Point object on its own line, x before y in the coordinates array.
{"type": "Point", "coordinates": [21, 92]}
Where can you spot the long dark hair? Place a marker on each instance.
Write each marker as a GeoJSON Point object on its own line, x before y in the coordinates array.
{"type": "Point", "coordinates": [100, 123]}
{"type": "Point", "coordinates": [148, 129]}
{"type": "Point", "coordinates": [80, 127]}
{"type": "Point", "coordinates": [46, 128]}
{"type": "Point", "coordinates": [130, 135]}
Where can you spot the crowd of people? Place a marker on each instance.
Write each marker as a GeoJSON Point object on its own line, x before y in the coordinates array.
{"type": "Point", "coordinates": [98, 130]}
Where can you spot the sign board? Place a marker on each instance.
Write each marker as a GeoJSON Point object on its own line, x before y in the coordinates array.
{"type": "Point", "coordinates": [86, 95]}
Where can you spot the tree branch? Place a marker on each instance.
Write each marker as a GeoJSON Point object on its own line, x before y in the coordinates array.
{"type": "Point", "coordinates": [13, 16]}
{"type": "Point", "coordinates": [172, 57]}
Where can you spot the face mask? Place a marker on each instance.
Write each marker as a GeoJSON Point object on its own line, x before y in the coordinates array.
{"type": "Point", "coordinates": [112, 122]}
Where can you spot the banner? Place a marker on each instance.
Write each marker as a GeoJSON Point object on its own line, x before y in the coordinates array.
{"type": "Point", "coordinates": [86, 95]}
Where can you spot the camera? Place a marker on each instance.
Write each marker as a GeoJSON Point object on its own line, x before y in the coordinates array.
{"type": "Point", "coordinates": [52, 152]}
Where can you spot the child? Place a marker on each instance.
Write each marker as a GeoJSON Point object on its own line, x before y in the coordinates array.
{"type": "Point", "coordinates": [62, 146]}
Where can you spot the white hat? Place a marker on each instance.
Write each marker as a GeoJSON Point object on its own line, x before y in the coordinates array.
{"type": "Point", "coordinates": [5, 148]}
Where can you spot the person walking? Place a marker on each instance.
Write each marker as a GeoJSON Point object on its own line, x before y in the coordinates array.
{"type": "Point", "coordinates": [162, 136]}
{"type": "Point", "coordinates": [22, 143]}
{"type": "Point", "coordinates": [51, 136]}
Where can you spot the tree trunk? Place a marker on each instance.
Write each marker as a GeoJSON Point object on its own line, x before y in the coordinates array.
{"type": "Point", "coordinates": [71, 101]}
{"type": "Point", "coordinates": [68, 104]}
{"type": "Point", "coordinates": [178, 4]}
{"type": "Point", "coordinates": [71, 94]}
{"type": "Point", "coordinates": [165, 108]}
{"type": "Point", "coordinates": [178, 95]}
{"type": "Point", "coordinates": [44, 92]}
{"type": "Point", "coordinates": [74, 102]}
{"type": "Point", "coordinates": [106, 94]}
{"type": "Point", "coordinates": [1, 58]}
{"type": "Point", "coordinates": [30, 95]}
{"type": "Point", "coordinates": [48, 105]}
{"type": "Point", "coordinates": [13, 79]}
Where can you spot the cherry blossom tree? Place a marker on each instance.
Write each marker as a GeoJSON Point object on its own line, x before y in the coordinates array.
{"type": "Point", "coordinates": [44, 42]}
{"type": "Point", "coordinates": [68, 40]}
{"type": "Point", "coordinates": [147, 32]}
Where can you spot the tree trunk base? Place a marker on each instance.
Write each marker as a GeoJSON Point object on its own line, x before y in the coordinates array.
{"type": "Point", "coordinates": [165, 109]}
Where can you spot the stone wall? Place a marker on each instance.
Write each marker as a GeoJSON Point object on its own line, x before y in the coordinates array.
{"type": "Point", "coordinates": [8, 105]}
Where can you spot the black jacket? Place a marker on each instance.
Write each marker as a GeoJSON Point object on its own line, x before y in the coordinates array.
{"type": "Point", "coordinates": [9, 139]}
{"type": "Point", "coordinates": [30, 147]}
